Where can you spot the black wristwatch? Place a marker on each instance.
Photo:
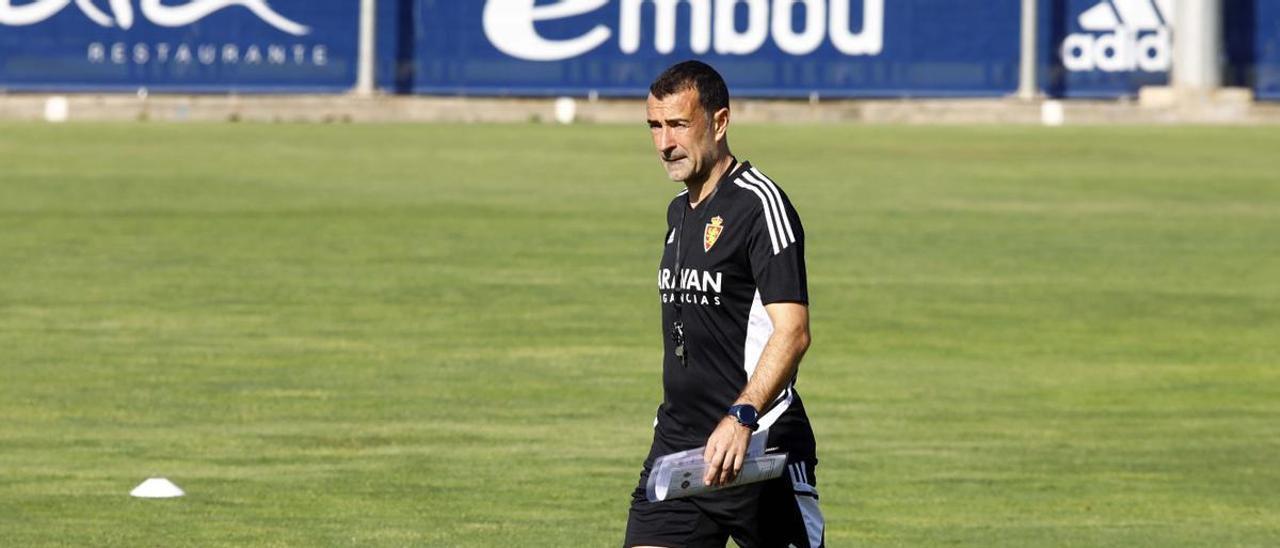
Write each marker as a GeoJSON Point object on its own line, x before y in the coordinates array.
{"type": "Point", "coordinates": [746, 415]}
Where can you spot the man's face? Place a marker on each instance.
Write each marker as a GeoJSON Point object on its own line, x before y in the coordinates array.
{"type": "Point", "coordinates": [682, 134]}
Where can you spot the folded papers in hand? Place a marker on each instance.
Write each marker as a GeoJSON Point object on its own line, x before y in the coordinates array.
{"type": "Point", "coordinates": [680, 474]}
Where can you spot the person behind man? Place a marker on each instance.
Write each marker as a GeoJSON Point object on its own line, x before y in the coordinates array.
{"type": "Point", "coordinates": [735, 322]}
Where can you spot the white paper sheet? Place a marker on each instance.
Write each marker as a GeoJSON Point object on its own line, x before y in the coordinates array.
{"type": "Point", "coordinates": [680, 474]}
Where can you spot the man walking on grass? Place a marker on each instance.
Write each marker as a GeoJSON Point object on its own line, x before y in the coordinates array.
{"type": "Point", "coordinates": [735, 321]}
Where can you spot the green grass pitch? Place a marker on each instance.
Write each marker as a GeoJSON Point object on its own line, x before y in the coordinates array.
{"type": "Point", "coordinates": [448, 335]}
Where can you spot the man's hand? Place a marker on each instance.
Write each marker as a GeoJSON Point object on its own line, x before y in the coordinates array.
{"type": "Point", "coordinates": [726, 450]}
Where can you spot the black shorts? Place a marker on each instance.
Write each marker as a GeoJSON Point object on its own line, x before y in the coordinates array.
{"type": "Point", "coordinates": [778, 513]}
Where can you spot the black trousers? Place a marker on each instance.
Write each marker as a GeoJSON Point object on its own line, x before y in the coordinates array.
{"type": "Point", "coordinates": [778, 513]}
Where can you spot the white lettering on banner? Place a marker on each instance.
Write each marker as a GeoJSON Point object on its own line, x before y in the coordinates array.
{"type": "Point", "coordinates": [1122, 36]}
{"type": "Point", "coordinates": [868, 42]}
{"type": "Point", "coordinates": [153, 10]}
{"type": "Point", "coordinates": [120, 53]}
{"type": "Point", "coordinates": [29, 14]}
{"type": "Point", "coordinates": [101, 18]}
{"type": "Point", "coordinates": [510, 27]}
{"type": "Point", "coordinates": [729, 40]}
{"type": "Point", "coordinates": [664, 38]}
{"type": "Point", "coordinates": [806, 41]}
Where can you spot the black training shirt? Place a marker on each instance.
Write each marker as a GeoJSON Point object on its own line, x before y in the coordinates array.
{"type": "Point", "coordinates": [741, 249]}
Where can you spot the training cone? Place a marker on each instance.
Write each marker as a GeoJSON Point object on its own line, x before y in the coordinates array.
{"type": "Point", "coordinates": [156, 488]}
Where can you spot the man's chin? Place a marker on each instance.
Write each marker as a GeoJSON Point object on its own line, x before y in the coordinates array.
{"type": "Point", "coordinates": [678, 174]}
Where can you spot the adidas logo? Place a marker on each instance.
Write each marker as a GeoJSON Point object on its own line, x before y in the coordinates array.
{"type": "Point", "coordinates": [1122, 36]}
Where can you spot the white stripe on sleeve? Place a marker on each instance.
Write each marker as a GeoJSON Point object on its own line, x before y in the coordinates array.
{"type": "Point", "coordinates": [773, 188]}
{"type": "Point", "coordinates": [768, 215]}
{"type": "Point", "coordinates": [771, 205]}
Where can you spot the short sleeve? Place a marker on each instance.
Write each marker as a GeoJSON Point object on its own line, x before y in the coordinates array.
{"type": "Point", "coordinates": [776, 248]}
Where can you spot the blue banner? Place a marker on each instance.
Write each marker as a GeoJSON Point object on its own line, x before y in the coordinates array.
{"type": "Point", "coordinates": [178, 45]}
{"type": "Point", "coordinates": [765, 48]}
{"type": "Point", "coordinates": [1266, 56]}
{"type": "Point", "coordinates": [770, 48]}
{"type": "Point", "coordinates": [1253, 46]}
{"type": "Point", "coordinates": [1105, 48]}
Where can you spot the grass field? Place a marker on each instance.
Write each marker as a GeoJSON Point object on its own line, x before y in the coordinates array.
{"type": "Point", "coordinates": [448, 335]}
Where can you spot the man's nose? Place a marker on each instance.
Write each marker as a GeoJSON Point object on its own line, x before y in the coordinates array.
{"type": "Point", "coordinates": [665, 142]}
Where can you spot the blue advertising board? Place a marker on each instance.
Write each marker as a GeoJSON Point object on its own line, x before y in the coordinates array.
{"type": "Point", "coordinates": [1105, 48]}
{"type": "Point", "coordinates": [1253, 46]}
{"type": "Point", "coordinates": [835, 48]}
{"type": "Point", "coordinates": [765, 48]}
{"type": "Point", "coordinates": [1266, 50]}
{"type": "Point", "coordinates": [178, 45]}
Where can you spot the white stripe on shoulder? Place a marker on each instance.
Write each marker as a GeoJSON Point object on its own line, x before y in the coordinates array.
{"type": "Point", "coordinates": [773, 205]}
{"type": "Point", "coordinates": [786, 220]}
{"type": "Point", "coordinates": [768, 216]}
{"type": "Point", "coordinates": [682, 192]}
{"type": "Point", "coordinates": [774, 209]}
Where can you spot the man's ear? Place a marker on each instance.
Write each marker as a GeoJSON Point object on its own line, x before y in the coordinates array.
{"type": "Point", "coordinates": [720, 123]}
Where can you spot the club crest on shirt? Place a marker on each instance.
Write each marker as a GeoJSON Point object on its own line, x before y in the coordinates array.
{"type": "Point", "coordinates": [712, 232]}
